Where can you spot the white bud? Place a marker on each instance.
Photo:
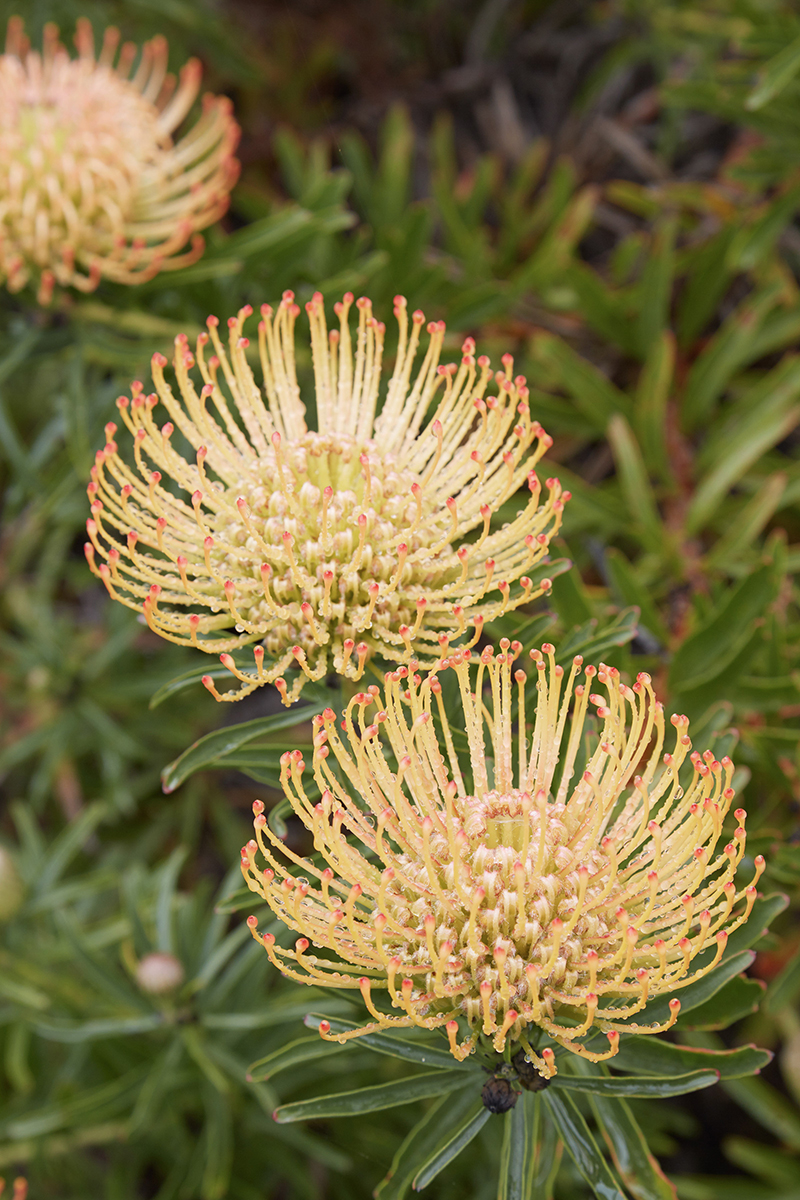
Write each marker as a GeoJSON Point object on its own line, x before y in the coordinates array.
{"type": "Point", "coordinates": [159, 973]}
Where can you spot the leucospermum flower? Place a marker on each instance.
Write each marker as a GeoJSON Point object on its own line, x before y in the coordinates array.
{"type": "Point", "coordinates": [328, 546]}
{"type": "Point", "coordinates": [560, 884]}
{"type": "Point", "coordinates": [91, 183]}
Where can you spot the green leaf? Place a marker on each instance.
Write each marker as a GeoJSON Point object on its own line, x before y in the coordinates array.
{"type": "Point", "coordinates": [767, 1106]}
{"type": "Point", "coordinates": [742, 451]}
{"type": "Point", "coordinates": [631, 591]}
{"type": "Point", "coordinates": [376, 1098]}
{"type": "Point", "coordinates": [654, 1056]}
{"type": "Point", "coordinates": [629, 1150]}
{"type": "Point", "coordinates": [552, 256]}
{"type": "Point", "coordinates": [774, 76]}
{"type": "Point", "coordinates": [641, 1086]}
{"type": "Point", "coordinates": [218, 1138]}
{"type": "Point", "coordinates": [603, 308]}
{"type": "Point", "coordinates": [765, 1161]}
{"type": "Point", "coordinates": [581, 1145]}
{"type": "Point", "coordinates": [195, 1042]}
{"type": "Point", "coordinates": [302, 1050]}
{"type": "Point", "coordinates": [730, 348]}
{"type": "Point", "coordinates": [708, 279]}
{"type": "Point", "coordinates": [263, 763]}
{"type": "Point", "coordinates": [757, 239]}
{"type": "Point", "coordinates": [590, 641]}
{"type": "Point", "coordinates": [452, 1144]}
{"type": "Point", "coordinates": [188, 679]}
{"type": "Point", "coordinates": [650, 403]}
{"type": "Point", "coordinates": [169, 873]}
{"type": "Point", "coordinates": [548, 1157]}
{"type": "Point", "coordinates": [528, 630]}
{"type": "Point", "coordinates": [68, 845]}
{"type": "Point", "coordinates": [718, 639]}
{"type": "Point", "coordinates": [441, 1119]}
{"type": "Point", "coordinates": [224, 741]}
{"type": "Point", "coordinates": [785, 987]}
{"type": "Point", "coordinates": [763, 402]}
{"type": "Point", "coordinates": [636, 489]}
{"type": "Point", "coordinates": [737, 999]}
{"type": "Point", "coordinates": [655, 289]}
{"type": "Point", "coordinates": [397, 1047]}
{"type": "Point", "coordinates": [570, 600]}
{"type": "Point", "coordinates": [749, 522]}
{"type": "Point", "coordinates": [22, 993]}
{"type": "Point", "coordinates": [596, 397]}
{"type": "Point", "coordinates": [521, 1148]}
{"type": "Point", "coordinates": [91, 1031]}
{"type": "Point", "coordinates": [159, 1083]}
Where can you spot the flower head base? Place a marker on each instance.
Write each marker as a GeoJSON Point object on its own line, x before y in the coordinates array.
{"type": "Point", "coordinates": [324, 547]}
{"type": "Point", "coordinates": [91, 184]}
{"type": "Point", "coordinates": [563, 885]}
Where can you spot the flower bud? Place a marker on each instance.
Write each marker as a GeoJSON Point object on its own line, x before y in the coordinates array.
{"type": "Point", "coordinates": [159, 973]}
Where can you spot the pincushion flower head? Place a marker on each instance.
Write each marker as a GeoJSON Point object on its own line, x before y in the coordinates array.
{"type": "Point", "coordinates": [91, 182]}
{"type": "Point", "coordinates": [554, 888]}
{"type": "Point", "coordinates": [323, 546]}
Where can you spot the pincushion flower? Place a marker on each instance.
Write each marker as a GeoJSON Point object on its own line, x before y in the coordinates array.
{"type": "Point", "coordinates": [324, 547]}
{"type": "Point", "coordinates": [91, 183]}
{"type": "Point", "coordinates": [559, 884]}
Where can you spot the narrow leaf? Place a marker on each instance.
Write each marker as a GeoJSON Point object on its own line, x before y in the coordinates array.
{"type": "Point", "coordinates": [774, 76]}
{"type": "Point", "coordinates": [652, 393]}
{"type": "Point", "coordinates": [302, 1050]}
{"type": "Point", "coordinates": [749, 522]}
{"type": "Point", "coordinates": [745, 450]}
{"type": "Point", "coordinates": [785, 987]}
{"type": "Point", "coordinates": [522, 1128]}
{"type": "Point", "coordinates": [460, 1137]}
{"type": "Point", "coordinates": [594, 394]}
{"type": "Point", "coordinates": [715, 643]}
{"type": "Point", "coordinates": [232, 737]}
{"type": "Point", "coordinates": [767, 1106]}
{"type": "Point", "coordinates": [737, 999]}
{"type": "Point", "coordinates": [635, 484]}
{"type": "Point", "coordinates": [581, 1145]}
{"type": "Point", "coordinates": [373, 1099]}
{"type": "Point", "coordinates": [630, 1152]}
{"type": "Point", "coordinates": [654, 1056]}
{"type": "Point", "coordinates": [642, 1086]}
{"type": "Point", "coordinates": [443, 1116]}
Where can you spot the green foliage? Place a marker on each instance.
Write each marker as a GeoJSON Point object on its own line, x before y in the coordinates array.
{"type": "Point", "coordinates": [666, 369]}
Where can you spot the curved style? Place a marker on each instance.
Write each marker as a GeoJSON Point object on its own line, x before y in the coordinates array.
{"type": "Point", "coordinates": [91, 183]}
{"type": "Point", "coordinates": [571, 875]}
{"type": "Point", "coordinates": [323, 546]}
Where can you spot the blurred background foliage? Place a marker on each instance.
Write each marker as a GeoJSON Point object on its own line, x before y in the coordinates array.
{"type": "Point", "coordinates": [608, 190]}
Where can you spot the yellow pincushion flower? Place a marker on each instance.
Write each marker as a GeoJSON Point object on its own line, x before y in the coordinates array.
{"type": "Point", "coordinates": [91, 183]}
{"type": "Point", "coordinates": [324, 547]}
{"type": "Point", "coordinates": [560, 885]}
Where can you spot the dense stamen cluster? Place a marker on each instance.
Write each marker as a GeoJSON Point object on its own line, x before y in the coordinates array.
{"type": "Point", "coordinates": [561, 882]}
{"type": "Point", "coordinates": [323, 547]}
{"type": "Point", "coordinates": [91, 183]}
